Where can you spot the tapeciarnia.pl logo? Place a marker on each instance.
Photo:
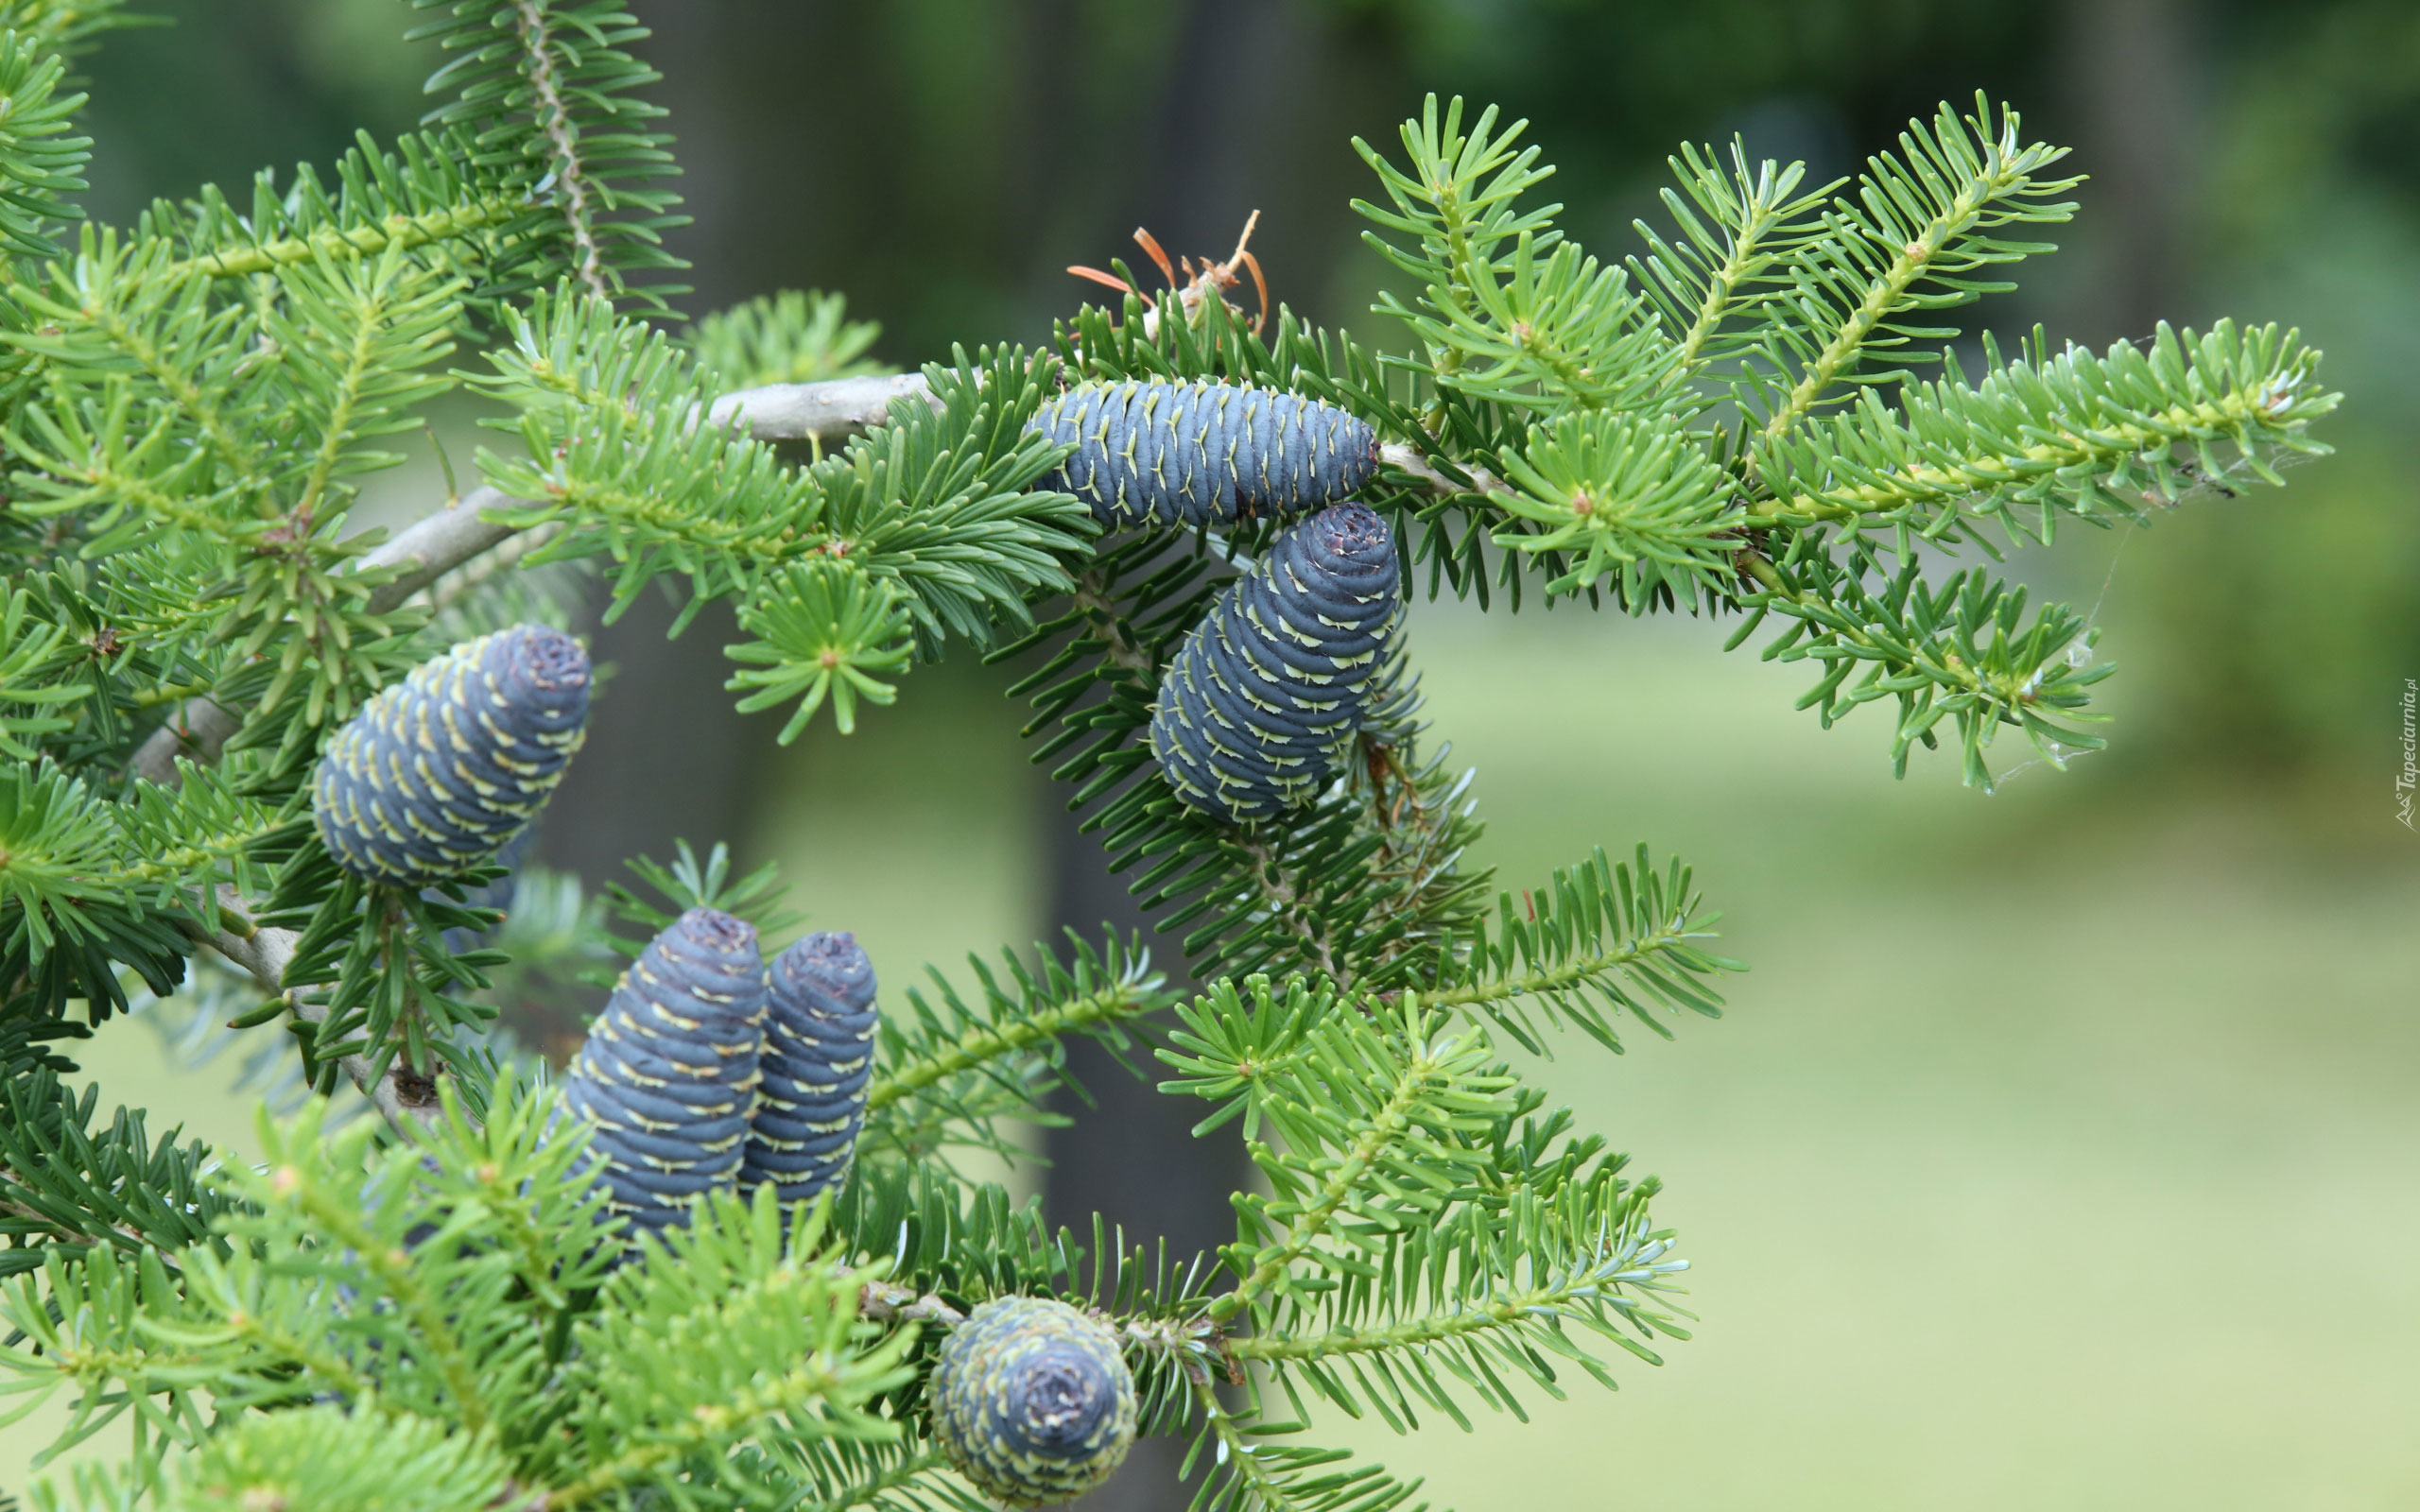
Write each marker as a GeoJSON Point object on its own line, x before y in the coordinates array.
{"type": "Point", "coordinates": [2406, 779]}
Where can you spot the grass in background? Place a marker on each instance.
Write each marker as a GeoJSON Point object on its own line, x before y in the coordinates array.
{"type": "Point", "coordinates": [2057, 1151]}
{"type": "Point", "coordinates": [919, 833]}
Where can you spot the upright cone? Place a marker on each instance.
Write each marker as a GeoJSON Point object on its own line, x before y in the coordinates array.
{"type": "Point", "coordinates": [669, 1075]}
{"type": "Point", "coordinates": [819, 1056]}
{"type": "Point", "coordinates": [1032, 1401]}
{"type": "Point", "coordinates": [1256, 706]}
{"type": "Point", "coordinates": [438, 772]}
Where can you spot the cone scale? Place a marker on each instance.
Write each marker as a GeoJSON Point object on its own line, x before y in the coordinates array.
{"type": "Point", "coordinates": [1195, 454]}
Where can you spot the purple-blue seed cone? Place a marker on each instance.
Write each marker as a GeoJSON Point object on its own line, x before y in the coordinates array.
{"type": "Point", "coordinates": [1255, 708]}
{"type": "Point", "coordinates": [1032, 1401]}
{"type": "Point", "coordinates": [818, 1057]}
{"type": "Point", "coordinates": [668, 1076]}
{"type": "Point", "coordinates": [438, 772]}
{"type": "Point", "coordinates": [1196, 454]}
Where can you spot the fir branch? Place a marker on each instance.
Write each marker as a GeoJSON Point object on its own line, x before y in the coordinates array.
{"type": "Point", "coordinates": [428, 1315]}
{"type": "Point", "coordinates": [107, 1324]}
{"type": "Point", "coordinates": [539, 65]}
{"type": "Point", "coordinates": [789, 337]}
{"type": "Point", "coordinates": [359, 1452]}
{"type": "Point", "coordinates": [1236, 1454]}
{"type": "Point", "coordinates": [407, 1099]}
{"type": "Point", "coordinates": [366, 329]}
{"type": "Point", "coordinates": [1630, 935]}
{"type": "Point", "coordinates": [1248, 1473]}
{"type": "Point", "coordinates": [432, 194]}
{"type": "Point", "coordinates": [741, 1322]}
{"type": "Point", "coordinates": [1740, 231]}
{"type": "Point", "coordinates": [1921, 226]}
{"type": "Point", "coordinates": [40, 165]}
{"type": "Point", "coordinates": [954, 1062]}
{"type": "Point", "coordinates": [835, 1477]}
{"type": "Point", "coordinates": [1963, 652]}
{"type": "Point", "coordinates": [394, 232]}
{"type": "Point", "coordinates": [2075, 433]}
{"type": "Point", "coordinates": [552, 95]}
{"type": "Point", "coordinates": [939, 503]}
{"type": "Point", "coordinates": [821, 632]}
{"type": "Point", "coordinates": [465, 528]}
{"type": "Point", "coordinates": [1092, 599]}
{"type": "Point", "coordinates": [1635, 499]}
{"type": "Point", "coordinates": [1282, 903]}
{"type": "Point", "coordinates": [87, 886]}
{"type": "Point", "coordinates": [1501, 1313]}
{"type": "Point", "coordinates": [1550, 1251]}
{"type": "Point", "coordinates": [67, 1186]}
{"type": "Point", "coordinates": [32, 692]}
{"type": "Point", "coordinates": [976, 1046]}
{"type": "Point", "coordinates": [153, 410]}
{"type": "Point", "coordinates": [1363, 1111]}
{"type": "Point", "coordinates": [789, 1394]}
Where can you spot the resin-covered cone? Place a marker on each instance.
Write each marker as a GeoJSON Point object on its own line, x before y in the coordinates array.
{"type": "Point", "coordinates": [668, 1076]}
{"type": "Point", "coordinates": [438, 772]}
{"type": "Point", "coordinates": [1203, 453]}
{"type": "Point", "coordinates": [819, 1056]}
{"type": "Point", "coordinates": [1032, 1402]}
{"type": "Point", "coordinates": [1258, 702]}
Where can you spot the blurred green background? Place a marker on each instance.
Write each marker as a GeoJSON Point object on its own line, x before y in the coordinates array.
{"type": "Point", "coordinates": [2062, 1147]}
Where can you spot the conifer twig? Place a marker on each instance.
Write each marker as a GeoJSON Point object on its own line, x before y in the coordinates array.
{"type": "Point", "coordinates": [1410, 459]}
{"type": "Point", "coordinates": [404, 1096]}
{"type": "Point", "coordinates": [563, 138]}
{"type": "Point", "coordinates": [444, 539]}
{"type": "Point", "coordinates": [832, 411]}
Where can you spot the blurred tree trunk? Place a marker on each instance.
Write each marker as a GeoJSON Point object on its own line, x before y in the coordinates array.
{"type": "Point", "coordinates": [2134, 83]}
{"type": "Point", "coordinates": [2137, 78]}
{"type": "Point", "coordinates": [1129, 1154]}
{"type": "Point", "coordinates": [668, 757]}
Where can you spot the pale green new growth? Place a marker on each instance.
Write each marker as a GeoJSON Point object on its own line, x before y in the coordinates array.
{"type": "Point", "coordinates": [789, 337]}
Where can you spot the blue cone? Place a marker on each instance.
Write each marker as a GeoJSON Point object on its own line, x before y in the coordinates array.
{"type": "Point", "coordinates": [1032, 1401]}
{"type": "Point", "coordinates": [668, 1076]}
{"type": "Point", "coordinates": [438, 772]}
{"type": "Point", "coordinates": [1203, 453]}
{"type": "Point", "coordinates": [1258, 706]}
{"type": "Point", "coordinates": [818, 1057]}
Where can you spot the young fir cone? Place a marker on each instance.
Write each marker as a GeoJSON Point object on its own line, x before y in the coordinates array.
{"type": "Point", "coordinates": [1257, 704]}
{"type": "Point", "coordinates": [1204, 454]}
{"type": "Point", "coordinates": [668, 1076]}
{"type": "Point", "coordinates": [439, 771]}
{"type": "Point", "coordinates": [819, 1056]}
{"type": "Point", "coordinates": [1032, 1401]}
